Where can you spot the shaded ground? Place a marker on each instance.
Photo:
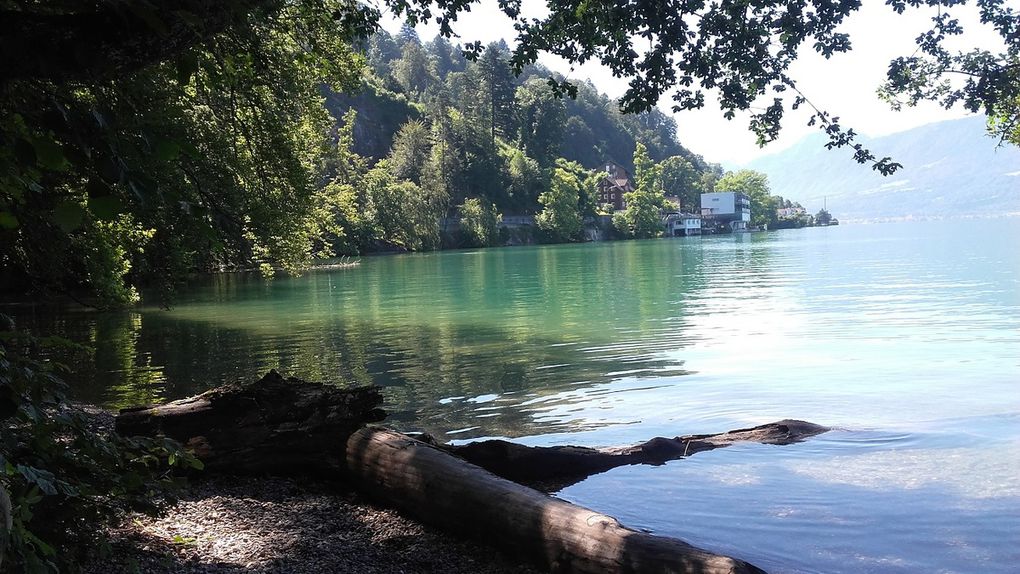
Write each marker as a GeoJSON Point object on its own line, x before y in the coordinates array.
{"type": "Point", "coordinates": [278, 525]}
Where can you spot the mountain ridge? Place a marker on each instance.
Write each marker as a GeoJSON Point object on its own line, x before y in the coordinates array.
{"type": "Point", "coordinates": [951, 168]}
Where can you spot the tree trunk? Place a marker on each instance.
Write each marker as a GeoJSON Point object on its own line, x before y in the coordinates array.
{"type": "Point", "coordinates": [292, 427]}
{"type": "Point", "coordinates": [273, 425]}
{"type": "Point", "coordinates": [436, 487]}
{"type": "Point", "coordinates": [556, 467]}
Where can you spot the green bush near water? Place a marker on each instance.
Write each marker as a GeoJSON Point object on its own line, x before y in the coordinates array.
{"type": "Point", "coordinates": [65, 475]}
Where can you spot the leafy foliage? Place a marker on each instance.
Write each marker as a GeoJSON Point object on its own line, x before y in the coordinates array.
{"type": "Point", "coordinates": [64, 477]}
{"type": "Point", "coordinates": [642, 218]}
{"type": "Point", "coordinates": [560, 219]}
{"type": "Point", "coordinates": [196, 139]}
{"type": "Point", "coordinates": [682, 181]}
{"type": "Point", "coordinates": [979, 79]}
{"type": "Point", "coordinates": [755, 185]}
{"type": "Point", "coordinates": [479, 223]}
{"type": "Point", "coordinates": [207, 160]}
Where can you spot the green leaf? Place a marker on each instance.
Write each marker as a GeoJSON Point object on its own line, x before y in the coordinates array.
{"type": "Point", "coordinates": [167, 150]}
{"type": "Point", "coordinates": [68, 215]}
{"type": "Point", "coordinates": [106, 208]}
{"type": "Point", "coordinates": [24, 152]}
{"type": "Point", "coordinates": [97, 188]}
{"type": "Point", "coordinates": [41, 478]}
{"type": "Point", "coordinates": [44, 549]}
{"type": "Point", "coordinates": [8, 221]}
{"type": "Point", "coordinates": [49, 154]}
{"type": "Point", "coordinates": [189, 149]}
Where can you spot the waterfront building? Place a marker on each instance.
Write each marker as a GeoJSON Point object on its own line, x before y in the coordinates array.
{"type": "Point", "coordinates": [726, 211]}
{"type": "Point", "coordinates": [680, 224]}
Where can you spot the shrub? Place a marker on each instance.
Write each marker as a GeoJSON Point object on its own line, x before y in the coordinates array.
{"type": "Point", "coordinates": [66, 475]}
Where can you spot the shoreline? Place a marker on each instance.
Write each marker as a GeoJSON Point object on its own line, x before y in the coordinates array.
{"type": "Point", "coordinates": [225, 524]}
{"type": "Point", "coordinates": [261, 524]}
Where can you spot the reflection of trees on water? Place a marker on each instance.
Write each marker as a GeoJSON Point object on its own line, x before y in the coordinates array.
{"type": "Point", "coordinates": [505, 325]}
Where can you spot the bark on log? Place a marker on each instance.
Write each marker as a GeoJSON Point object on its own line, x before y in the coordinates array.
{"type": "Point", "coordinates": [436, 487]}
{"type": "Point", "coordinates": [272, 425]}
{"type": "Point", "coordinates": [556, 467]}
{"type": "Point", "coordinates": [289, 426]}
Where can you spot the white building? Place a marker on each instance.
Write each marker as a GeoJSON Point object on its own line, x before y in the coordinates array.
{"type": "Point", "coordinates": [682, 224]}
{"type": "Point", "coordinates": [727, 209]}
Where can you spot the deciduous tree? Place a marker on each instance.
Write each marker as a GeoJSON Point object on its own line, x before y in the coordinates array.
{"type": "Point", "coordinates": [560, 219]}
{"type": "Point", "coordinates": [755, 185]}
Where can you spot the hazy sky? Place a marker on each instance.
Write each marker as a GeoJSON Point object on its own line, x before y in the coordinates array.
{"type": "Point", "coordinates": [843, 85]}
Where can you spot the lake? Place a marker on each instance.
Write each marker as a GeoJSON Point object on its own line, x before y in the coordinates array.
{"type": "Point", "coordinates": [904, 337]}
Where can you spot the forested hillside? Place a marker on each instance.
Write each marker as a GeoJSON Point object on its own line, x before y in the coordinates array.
{"type": "Point", "coordinates": [464, 129]}
{"type": "Point", "coordinates": [365, 144]}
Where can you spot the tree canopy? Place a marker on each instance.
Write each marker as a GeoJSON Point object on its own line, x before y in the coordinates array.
{"type": "Point", "coordinates": [147, 140]}
{"type": "Point", "coordinates": [744, 50]}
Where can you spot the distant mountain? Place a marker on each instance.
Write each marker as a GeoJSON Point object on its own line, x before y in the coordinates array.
{"type": "Point", "coordinates": [950, 169]}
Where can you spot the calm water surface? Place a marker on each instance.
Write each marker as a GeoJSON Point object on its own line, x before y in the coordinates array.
{"type": "Point", "coordinates": [905, 337]}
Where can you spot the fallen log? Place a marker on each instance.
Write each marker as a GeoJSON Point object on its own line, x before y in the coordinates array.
{"type": "Point", "coordinates": [441, 489]}
{"type": "Point", "coordinates": [274, 425]}
{"type": "Point", "coordinates": [288, 426]}
{"type": "Point", "coordinates": [556, 467]}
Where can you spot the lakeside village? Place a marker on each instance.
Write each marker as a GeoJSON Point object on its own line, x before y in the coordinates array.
{"type": "Point", "coordinates": [720, 212]}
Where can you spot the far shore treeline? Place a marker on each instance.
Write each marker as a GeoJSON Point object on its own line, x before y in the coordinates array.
{"type": "Point", "coordinates": [250, 164]}
{"type": "Point", "coordinates": [269, 135]}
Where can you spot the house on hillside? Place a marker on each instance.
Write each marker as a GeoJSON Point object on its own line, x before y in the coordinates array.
{"type": "Point", "coordinates": [614, 183]}
{"type": "Point", "coordinates": [680, 224]}
{"type": "Point", "coordinates": [726, 211]}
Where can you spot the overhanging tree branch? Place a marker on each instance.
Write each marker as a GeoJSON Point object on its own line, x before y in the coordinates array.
{"type": "Point", "coordinates": [112, 39]}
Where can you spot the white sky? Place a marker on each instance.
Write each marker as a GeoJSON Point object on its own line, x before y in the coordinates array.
{"type": "Point", "coordinates": [844, 85]}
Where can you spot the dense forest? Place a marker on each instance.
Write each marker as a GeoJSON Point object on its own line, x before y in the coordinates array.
{"type": "Point", "coordinates": [442, 136]}
{"type": "Point", "coordinates": [406, 146]}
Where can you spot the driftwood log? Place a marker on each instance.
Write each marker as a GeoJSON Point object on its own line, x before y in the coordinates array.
{"type": "Point", "coordinates": [430, 484]}
{"type": "Point", "coordinates": [274, 425]}
{"type": "Point", "coordinates": [556, 467]}
{"type": "Point", "coordinates": [290, 426]}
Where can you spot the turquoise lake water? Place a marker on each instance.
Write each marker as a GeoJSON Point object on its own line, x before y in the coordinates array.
{"type": "Point", "coordinates": [904, 337]}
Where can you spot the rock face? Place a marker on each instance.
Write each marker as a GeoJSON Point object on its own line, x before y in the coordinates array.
{"type": "Point", "coordinates": [274, 425]}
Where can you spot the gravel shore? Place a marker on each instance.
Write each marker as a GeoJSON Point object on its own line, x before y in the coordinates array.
{"type": "Point", "coordinates": [278, 525]}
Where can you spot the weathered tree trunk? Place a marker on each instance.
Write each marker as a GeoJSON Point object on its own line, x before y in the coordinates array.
{"type": "Point", "coordinates": [436, 487]}
{"type": "Point", "coordinates": [272, 425]}
{"type": "Point", "coordinates": [553, 468]}
{"type": "Point", "coordinates": [292, 427]}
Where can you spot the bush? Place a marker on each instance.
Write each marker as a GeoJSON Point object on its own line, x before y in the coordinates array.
{"type": "Point", "coordinates": [67, 477]}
